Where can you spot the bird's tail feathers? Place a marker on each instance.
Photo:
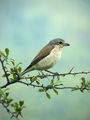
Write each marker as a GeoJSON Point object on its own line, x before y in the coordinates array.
{"type": "Point", "coordinates": [26, 70]}
{"type": "Point", "coordinates": [23, 73]}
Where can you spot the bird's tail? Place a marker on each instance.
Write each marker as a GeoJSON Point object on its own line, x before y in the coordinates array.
{"type": "Point", "coordinates": [19, 76]}
{"type": "Point", "coordinates": [23, 73]}
{"type": "Point", "coordinates": [26, 70]}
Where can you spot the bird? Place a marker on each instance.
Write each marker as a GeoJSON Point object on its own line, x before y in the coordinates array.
{"type": "Point", "coordinates": [48, 56]}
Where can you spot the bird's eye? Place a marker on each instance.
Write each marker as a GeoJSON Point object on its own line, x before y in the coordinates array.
{"type": "Point", "coordinates": [60, 42]}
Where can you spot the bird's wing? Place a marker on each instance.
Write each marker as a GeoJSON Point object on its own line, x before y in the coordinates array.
{"type": "Point", "coordinates": [42, 54]}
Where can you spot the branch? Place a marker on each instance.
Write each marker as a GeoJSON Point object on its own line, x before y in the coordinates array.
{"type": "Point", "coordinates": [58, 74]}
{"type": "Point", "coordinates": [3, 67]}
{"type": "Point", "coordinates": [42, 76]}
{"type": "Point", "coordinates": [45, 76]}
{"type": "Point", "coordinates": [13, 114]}
{"type": "Point", "coordinates": [52, 86]}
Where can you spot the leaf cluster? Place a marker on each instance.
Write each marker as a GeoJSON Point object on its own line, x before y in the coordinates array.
{"type": "Point", "coordinates": [13, 70]}
{"type": "Point", "coordinates": [53, 83]}
{"type": "Point", "coordinates": [83, 85]}
{"type": "Point", "coordinates": [13, 108]}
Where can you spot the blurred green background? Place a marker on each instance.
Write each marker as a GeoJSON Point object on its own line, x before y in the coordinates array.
{"type": "Point", "coordinates": [25, 27]}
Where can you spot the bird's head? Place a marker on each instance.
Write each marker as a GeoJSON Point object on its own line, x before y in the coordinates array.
{"type": "Point", "coordinates": [59, 42]}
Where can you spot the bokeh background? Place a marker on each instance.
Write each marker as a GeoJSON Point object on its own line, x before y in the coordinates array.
{"type": "Point", "coordinates": [25, 27]}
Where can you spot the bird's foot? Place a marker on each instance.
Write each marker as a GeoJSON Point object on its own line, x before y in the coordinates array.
{"type": "Point", "coordinates": [56, 73]}
{"type": "Point", "coordinates": [41, 74]}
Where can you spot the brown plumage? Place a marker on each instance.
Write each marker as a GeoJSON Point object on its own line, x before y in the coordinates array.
{"type": "Point", "coordinates": [42, 54]}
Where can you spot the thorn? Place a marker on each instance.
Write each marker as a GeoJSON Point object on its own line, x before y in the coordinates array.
{"type": "Point", "coordinates": [71, 69]}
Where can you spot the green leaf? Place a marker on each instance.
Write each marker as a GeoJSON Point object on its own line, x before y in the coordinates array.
{"type": "Point", "coordinates": [20, 114]}
{"type": "Point", "coordinates": [51, 82]}
{"type": "Point", "coordinates": [18, 64]}
{"type": "Point", "coordinates": [61, 84]}
{"type": "Point", "coordinates": [5, 67]}
{"type": "Point", "coordinates": [38, 83]}
{"type": "Point", "coordinates": [58, 84]}
{"type": "Point", "coordinates": [16, 104]}
{"type": "Point", "coordinates": [58, 78]}
{"type": "Point", "coordinates": [89, 83]}
{"type": "Point", "coordinates": [13, 63]}
{"type": "Point", "coordinates": [14, 76]}
{"type": "Point", "coordinates": [7, 94]}
{"type": "Point", "coordinates": [82, 90]}
{"type": "Point", "coordinates": [11, 79]}
{"type": "Point", "coordinates": [1, 91]}
{"type": "Point", "coordinates": [5, 75]}
{"type": "Point", "coordinates": [56, 92]}
{"type": "Point", "coordinates": [7, 51]}
{"type": "Point", "coordinates": [21, 103]}
{"type": "Point", "coordinates": [15, 69]}
{"type": "Point", "coordinates": [33, 78]}
{"type": "Point", "coordinates": [12, 70]}
{"type": "Point", "coordinates": [2, 54]}
{"type": "Point", "coordinates": [48, 96]}
{"type": "Point", "coordinates": [19, 69]}
{"type": "Point", "coordinates": [12, 105]}
{"type": "Point", "coordinates": [83, 80]}
{"type": "Point", "coordinates": [9, 100]}
{"type": "Point", "coordinates": [37, 75]}
{"type": "Point", "coordinates": [41, 90]}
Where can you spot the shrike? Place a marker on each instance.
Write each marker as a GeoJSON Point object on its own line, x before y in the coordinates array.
{"type": "Point", "coordinates": [48, 56]}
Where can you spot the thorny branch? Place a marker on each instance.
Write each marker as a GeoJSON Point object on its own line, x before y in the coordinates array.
{"type": "Point", "coordinates": [19, 80]}
{"type": "Point", "coordinates": [57, 74]}
{"type": "Point", "coordinates": [52, 86]}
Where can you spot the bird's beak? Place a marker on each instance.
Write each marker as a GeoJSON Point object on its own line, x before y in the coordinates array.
{"type": "Point", "coordinates": [66, 44]}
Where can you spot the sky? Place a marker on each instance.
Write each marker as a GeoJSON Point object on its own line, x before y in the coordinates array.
{"type": "Point", "coordinates": [25, 27]}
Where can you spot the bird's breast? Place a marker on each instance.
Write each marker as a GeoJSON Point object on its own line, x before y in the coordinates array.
{"type": "Point", "coordinates": [56, 54]}
{"type": "Point", "coordinates": [50, 60]}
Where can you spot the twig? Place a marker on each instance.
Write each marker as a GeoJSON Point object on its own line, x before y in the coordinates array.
{"type": "Point", "coordinates": [53, 75]}
{"type": "Point", "coordinates": [53, 86]}
{"type": "Point", "coordinates": [44, 76]}
{"type": "Point", "coordinates": [3, 67]}
{"type": "Point", "coordinates": [71, 69]}
{"type": "Point", "coordinates": [13, 114]}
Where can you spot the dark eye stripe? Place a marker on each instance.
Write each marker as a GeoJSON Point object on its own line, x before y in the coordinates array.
{"type": "Point", "coordinates": [60, 42]}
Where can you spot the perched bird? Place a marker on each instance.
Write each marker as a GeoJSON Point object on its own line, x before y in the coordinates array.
{"type": "Point", "coordinates": [48, 56]}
